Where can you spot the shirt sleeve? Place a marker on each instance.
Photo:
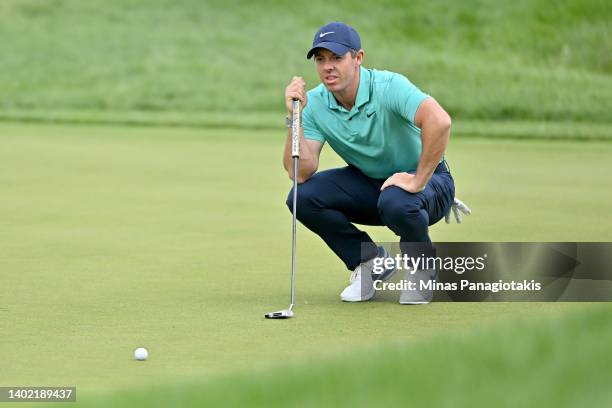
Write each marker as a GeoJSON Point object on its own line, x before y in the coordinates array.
{"type": "Point", "coordinates": [311, 131]}
{"type": "Point", "coordinates": [403, 97]}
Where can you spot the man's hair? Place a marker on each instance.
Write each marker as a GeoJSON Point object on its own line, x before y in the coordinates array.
{"type": "Point", "coordinates": [351, 50]}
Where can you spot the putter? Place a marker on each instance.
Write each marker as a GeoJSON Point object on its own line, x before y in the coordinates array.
{"type": "Point", "coordinates": [295, 153]}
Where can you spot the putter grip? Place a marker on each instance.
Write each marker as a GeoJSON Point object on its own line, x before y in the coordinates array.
{"type": "Point", "coordinates": [295, 129]}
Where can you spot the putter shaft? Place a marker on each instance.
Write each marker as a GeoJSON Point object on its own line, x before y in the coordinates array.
{"type": "Point", "coordinates": [295, 153]}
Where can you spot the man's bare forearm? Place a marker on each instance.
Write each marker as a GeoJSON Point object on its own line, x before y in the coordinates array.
{"type": "Point", "coordinates": [308, 162]}
{"type": "Point", "coordinates": [434, 135]}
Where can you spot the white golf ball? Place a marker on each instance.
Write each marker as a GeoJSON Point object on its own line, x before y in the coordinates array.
{"type": "Point", "coordinates": [141, 354]}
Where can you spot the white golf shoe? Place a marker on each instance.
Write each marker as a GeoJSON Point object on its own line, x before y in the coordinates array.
{"type": "Point", "coordinates": [422, 293]}
{"type": "Point", "coordinates": [361, 287]}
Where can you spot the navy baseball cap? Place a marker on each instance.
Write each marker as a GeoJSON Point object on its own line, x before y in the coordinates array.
{"type": "Point", "coordinates": [336, 37]}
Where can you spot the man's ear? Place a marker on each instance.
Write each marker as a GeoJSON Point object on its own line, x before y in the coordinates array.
{"type": "Point", "coordinates": [360, 56]}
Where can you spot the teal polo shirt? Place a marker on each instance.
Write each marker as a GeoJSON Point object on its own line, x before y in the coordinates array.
{"type": "Point", "coordinates": [378, 135]}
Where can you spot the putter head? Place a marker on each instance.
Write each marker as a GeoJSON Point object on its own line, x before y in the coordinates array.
{"type": "Point", "coordinates": [281, 314]}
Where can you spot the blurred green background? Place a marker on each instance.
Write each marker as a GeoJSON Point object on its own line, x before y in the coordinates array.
{"type": "Point", "coordinates": [534, 60]}
{"type": "Point", "coordinates": [142, 196]}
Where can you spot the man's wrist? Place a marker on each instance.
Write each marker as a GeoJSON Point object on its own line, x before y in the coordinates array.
{"type": "Point", "coordinates": [420, 186]}
{"type": "Point", "coordinates": [419, 183]}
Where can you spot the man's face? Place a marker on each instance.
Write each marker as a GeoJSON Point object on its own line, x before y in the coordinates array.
{"type": "Point", "coordinates": [337, 72]}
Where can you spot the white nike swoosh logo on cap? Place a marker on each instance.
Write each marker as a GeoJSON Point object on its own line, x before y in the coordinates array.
{"type": "Point", "coordinates": [324, 34]}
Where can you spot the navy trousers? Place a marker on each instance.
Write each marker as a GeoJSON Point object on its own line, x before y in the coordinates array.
{"type": "Point", "coordinates": [330, 202]}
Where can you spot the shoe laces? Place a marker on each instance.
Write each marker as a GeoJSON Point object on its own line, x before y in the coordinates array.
{"type": "Point", "coordinates": [356, 274]}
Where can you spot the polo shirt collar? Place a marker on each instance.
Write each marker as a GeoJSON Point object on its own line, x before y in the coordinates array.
{"type": "Point", "coordinates": [363, 92]}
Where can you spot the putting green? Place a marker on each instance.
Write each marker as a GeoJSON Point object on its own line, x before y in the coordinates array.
{"type": "Point", "coordinates": [179, 241]}
{"type": "Point", "coordinates": [545, 362]}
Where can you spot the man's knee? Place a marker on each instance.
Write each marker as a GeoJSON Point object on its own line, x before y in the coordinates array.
{"type": "Point", "coordinates": [289, 201]}
{"type": "Point", "coordinates": [396, 205]}
{"type": "Point", "coordinates": [304, 200]}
